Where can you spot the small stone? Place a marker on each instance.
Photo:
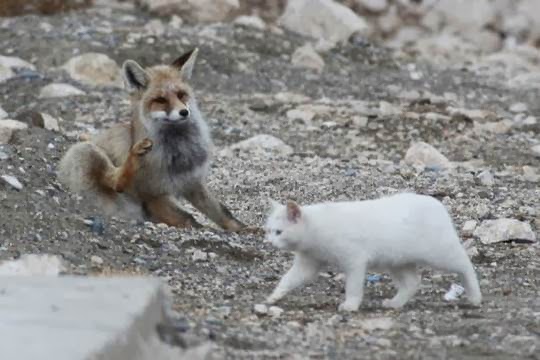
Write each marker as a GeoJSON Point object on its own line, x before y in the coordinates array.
{"type": "Point", "coordinates": [261, 144]}
{"type": "Point", "coordinates": [13, 62]}
{"type": "Point", "coordinates": [493, 231]}
{"type": "Point", "coordinates": [468, 227]}
{"type": "Point", "coordinates": [486, 178]}
{"type": "Point", "coordinates": [176, 22]}
{"type": "Point", "coordinates": [155, 28]}
{"type": "Point", "coordinates": [252, 21]}
{"type": "Point", "coordinates": [13, 181]}
{"type": "Point", "coordinates": [382, 323]}
{"type": "Point", "coordinates": [96, 260]}
{"type": "Point", "coordinates": [424, 155]}
{"type": "Point", "coordinates": [307, 57]}
{"type": "Point", "coordinates": [46, 121]}
{"type": "Point", "coordinates": [275, 311]}
{"type": "Point", "coordinates": [301, 114]}
{"type": "Point", "coordinates": [199, 255]}
{"type": "Point", "coordinates": [8, 127]}
{"type": "Point", "coordinates": [498, 127]}
{"type": "Point", "coordinates": [261, 309]}
{"type": "Point", "coordinates": [536, 150]}
{"type": "Point", "coordinates": [3, 114]}
{"type": "Point", "coordinates": [59, 90]}
{"type": "Point", "coordinates": [374, 6]}
{"type": "Point", "coordinates": [94, 69]}
{"type": "Point", "coordinates": [530, 174]}
{"type": "Point", "coordinates": [5, 73]}
{"type": "Point", "coordinates": [518, 107]}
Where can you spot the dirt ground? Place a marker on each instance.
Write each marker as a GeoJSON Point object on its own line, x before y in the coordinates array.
{"type": "Point", "coordinates": [352, 149]}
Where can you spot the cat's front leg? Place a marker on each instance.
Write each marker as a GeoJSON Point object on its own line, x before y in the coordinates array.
{"type": "Point", "coordinates": [303, 270]}
{"type": "Point", "coordinates": [354, 289]}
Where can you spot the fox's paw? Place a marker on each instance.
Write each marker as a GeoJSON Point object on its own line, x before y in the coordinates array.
{"type": "Point", "coordinates": [142, 147]}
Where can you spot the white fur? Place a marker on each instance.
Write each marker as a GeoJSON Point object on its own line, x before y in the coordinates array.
{"type": "Point", "coordinates": [393, 234]}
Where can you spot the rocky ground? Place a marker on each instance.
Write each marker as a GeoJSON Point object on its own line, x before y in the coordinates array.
{"type": "Point", "coordinates": [352, 122]}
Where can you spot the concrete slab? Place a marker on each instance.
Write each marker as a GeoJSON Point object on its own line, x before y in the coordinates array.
{"type": "Point", "coordinates": [72, 318]}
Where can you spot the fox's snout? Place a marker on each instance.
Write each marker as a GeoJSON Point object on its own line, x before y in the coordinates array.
{"type": "Point", "coordinates": [173, 115]}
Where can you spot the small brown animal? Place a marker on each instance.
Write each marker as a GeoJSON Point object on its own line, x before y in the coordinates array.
{"type": "Point", "coordinates": [164, 152]}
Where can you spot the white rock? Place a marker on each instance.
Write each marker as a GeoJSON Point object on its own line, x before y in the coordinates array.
{"type": "Point", "coordinates": [389, 22]}
{"type": "Point", "coordinates": [301, 114]}
{"type": "Point", "coordinates": [96, 260]}
{"type": "Point", "coordinates": [382, 323]}
{"type": "Point", "coordinates": [260, 309]}
{"type": "Point", "coordinates": [306, 57]}
{"type": "Point", "coordinates": [468, 227]}
{"type": "Point", "coordinates": [195, 10]}
{"type": "Point", "coordinates": [252, 21]}
{"type": "Point", "coordinates": [199, 255]}
{"type": "Point", "coordinates": [530, 80]}
{"type": "Point", "coordinates": [530, 174]}
{"type": "Point", "coordinates": [5, 73]}
{"type": "Point", "coordinates": [475, 114]}
{"type": "Point", "coordinates": [322, 19]}
{"type": "Point", "coordinates": [518, 107]}
{"type": "Point", "coordinates": [8, 127]}
{"type": "Point", "coordinates": [3, 113]}
{"type": "Point", "coordinates": [261, 144]}
{"type": "Point", "coordinates": [375, 6]}
{"type": "Point", "coordinates": [497, 127]}
{"type": "Point", "coordinates": [486, 178]}
{"type": "Point", "coordinates": [290, 97]}
{"type": "Point", "coordinates": [33, 265]}
{"type": "Point", "coordinates": [15, 63]}
{"type": "Point", "coordinates": [536, 150]}
{"type": "Point", "coordinates": [13, 181]}
{"type": "Point", "coordinates": [493, 231]}
{"type": "Point", "coordinates": [425, 155]}
{"type": "Point", "coordinates": [275, 311]}
{"type": "Point", "coordinates": [465, 14]}
{"type": "Point", "coordinates": [176, 22]}
{"type": "Point", "coordinates": [59, 90]}
{"type": "Point", "coordinates": [94, 69]}
{"type": "Point", "coordinates": [155, 27]}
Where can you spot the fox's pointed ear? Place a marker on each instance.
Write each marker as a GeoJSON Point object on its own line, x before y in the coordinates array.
{"type": "Point", "coordinates": [134, 75]}
{"type": "Point", "coordinates": [293, 211]}
{"type": "Point", "coordinates": [185, 63]}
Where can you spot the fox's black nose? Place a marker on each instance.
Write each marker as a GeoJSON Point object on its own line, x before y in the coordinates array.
{"type": "Point", "coordinates": [184, 112]}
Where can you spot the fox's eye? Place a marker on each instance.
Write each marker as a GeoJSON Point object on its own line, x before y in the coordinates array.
{"type": "Point", "coordinates": [181, 95]}
{"type": "Point", "coordinates": [278, 232]}
{"type": "Point", "coordinates": [160, 100]}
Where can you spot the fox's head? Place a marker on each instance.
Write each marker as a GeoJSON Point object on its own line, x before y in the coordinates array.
{"type": "Point", "coordinates": [162, 93]}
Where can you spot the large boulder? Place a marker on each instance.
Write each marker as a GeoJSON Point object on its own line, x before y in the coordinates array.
{"type": "Point", "coordinates": [324, 19]}
{"type": "Point", "coordinates": [204, 11]}
{"type": "Point", "coordinates": [94, 69]}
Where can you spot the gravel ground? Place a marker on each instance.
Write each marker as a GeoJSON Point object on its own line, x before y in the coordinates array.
{"type": "Point", "coordinates": [358, 118]}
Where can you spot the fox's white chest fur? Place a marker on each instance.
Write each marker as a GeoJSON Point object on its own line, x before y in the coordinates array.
{"type": "Point", "coordinates": [394, 234]}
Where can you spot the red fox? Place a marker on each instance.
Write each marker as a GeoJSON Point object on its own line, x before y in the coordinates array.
{"type": "Point", "coordinates": [164, 152]}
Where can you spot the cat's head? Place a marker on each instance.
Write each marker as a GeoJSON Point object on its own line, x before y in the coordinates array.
{"type": "Point", "coordinates": [285, 227]}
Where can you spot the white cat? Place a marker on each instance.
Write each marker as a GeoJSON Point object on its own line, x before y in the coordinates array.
{"type": "Point", "coordinates": [393, 234]}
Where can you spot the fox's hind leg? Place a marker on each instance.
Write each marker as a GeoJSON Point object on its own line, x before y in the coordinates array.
{"type": "Point", "coordinates": [407, 281]}
{"type": "Point", "coordinates": [164, 209]}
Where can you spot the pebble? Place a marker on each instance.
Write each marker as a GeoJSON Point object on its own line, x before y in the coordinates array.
{"type": "Point", "coordinates": [468, 227]}
{"type": "Point", "coordinates": [3, 113]}
{"type": "Point", "coordinates": [493, 231]}
{"type": "Point", "coordinates": [486, 178]}
{"type": "Point", "coordinates": [307, 57]}
{"type": "Point", "coordinates": [57, 90]}
{"type": "Point", "coordinates": [424, 155]}
{"type": "Point", "coordinates": [96, 260]}
{"type": "Point", "coordinates": [13, 181]}
{"type": "Point", "coordinates": [536, 150]}
{"type": "Point", "coordinates": [275, 311]}
{"type": "Point", "coordinates": [199, 255]}
{"type": "Point", "coordinates": [518, 107]}
{"type": "Point", "coordinates": [261, 309]}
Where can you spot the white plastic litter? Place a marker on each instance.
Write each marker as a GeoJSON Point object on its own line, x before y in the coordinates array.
{"type": "Point", "coordinates": [454, 293]}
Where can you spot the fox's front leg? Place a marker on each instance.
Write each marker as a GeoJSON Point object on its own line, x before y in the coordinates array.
{"type": "Point", "coordinates": [207, 203]}
{"type": "Point", "coordinates": [120, 178]}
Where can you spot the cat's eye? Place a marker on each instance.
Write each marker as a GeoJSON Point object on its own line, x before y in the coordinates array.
{"type": "Point", "coordinates": [278, 232]}
{"type": "Point", "coordinates": [160, 100]}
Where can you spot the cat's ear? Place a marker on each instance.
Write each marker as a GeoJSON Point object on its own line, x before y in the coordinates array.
{"type": "Point", "coordinates": [293, 211]}
{"type": "Point", "coordinates": [185, 63]}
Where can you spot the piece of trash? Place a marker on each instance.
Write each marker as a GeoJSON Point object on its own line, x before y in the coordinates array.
{"type": "Point", "coordinates": [374, 278]}
{"type": "Point", "coordinates": [454, 293]}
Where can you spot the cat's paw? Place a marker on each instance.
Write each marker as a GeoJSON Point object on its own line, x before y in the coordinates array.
{"type": "Point", "coordinates": [142, 147]}
{"type": "Point", "coordinates": [391, 304]}
{"type": "Point", "coordinates": [348, 307]}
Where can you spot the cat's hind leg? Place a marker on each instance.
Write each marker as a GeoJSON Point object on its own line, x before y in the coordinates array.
{"type": "Point", "coordinates": [407, 280]}
{"type": "Point", "coordinates": [303, 270]}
